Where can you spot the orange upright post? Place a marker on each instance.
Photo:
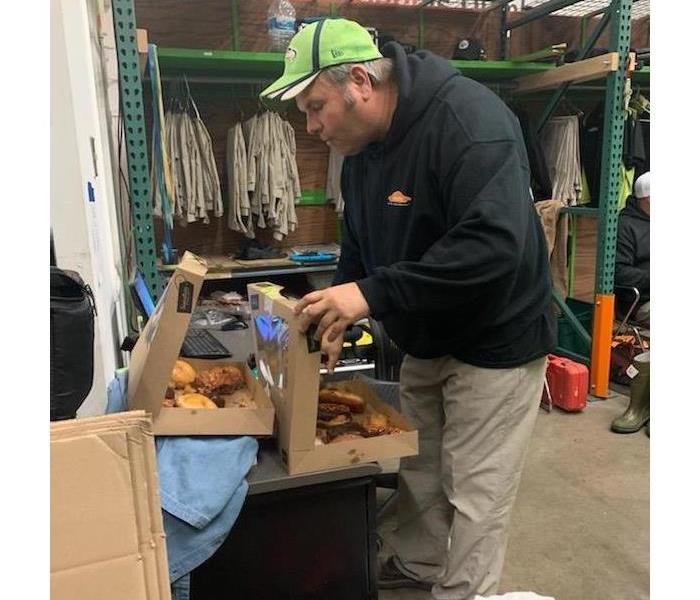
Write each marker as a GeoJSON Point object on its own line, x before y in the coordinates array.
{"type": "Point", "coordinates": [603, 317]}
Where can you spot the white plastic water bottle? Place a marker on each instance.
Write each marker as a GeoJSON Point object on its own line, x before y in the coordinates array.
{"type": "Point", "coordinates": [281, 23]}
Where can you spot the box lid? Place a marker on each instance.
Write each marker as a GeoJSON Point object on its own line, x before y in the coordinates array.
{"type": "Point", "coordinates": [159, 344]}
{"type": "Point", "coordinates": [289, 363]}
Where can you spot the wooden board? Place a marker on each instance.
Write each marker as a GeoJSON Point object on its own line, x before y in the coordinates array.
{"type": "Point", "coordinates": [586, 250]}
{"type": "Point", "coordinates": [142, 46]}
{"type": "Point", "coordinates": [577, 72]}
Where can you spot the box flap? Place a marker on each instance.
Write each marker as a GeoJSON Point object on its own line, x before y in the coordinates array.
{"type": "Point", "coordinates": [289, 363]}
{"type": "Point", "coordinates": [98, 466]}
{"type": "Point", "coordinates": [159, 344]}
{"type": "Point", "coordinates": [106, 522]}
{"type": "Point", "coordinates": [115, 579]}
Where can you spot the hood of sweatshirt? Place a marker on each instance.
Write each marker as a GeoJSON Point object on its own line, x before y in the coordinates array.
{"type": "Point", "coordinates": [418, 76]}
{"type": "Point", "coordinates": [632, 210]}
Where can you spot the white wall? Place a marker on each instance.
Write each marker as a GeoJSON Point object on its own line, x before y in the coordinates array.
{"type": "Point", "coordinates": [85, 232]}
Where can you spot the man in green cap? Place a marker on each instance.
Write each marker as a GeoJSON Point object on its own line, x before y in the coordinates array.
{"type": "Point", "coordinates": [441, 243]}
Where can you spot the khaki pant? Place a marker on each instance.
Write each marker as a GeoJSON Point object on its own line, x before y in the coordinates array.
{"type": "Point", "coordinates": [456, 496]}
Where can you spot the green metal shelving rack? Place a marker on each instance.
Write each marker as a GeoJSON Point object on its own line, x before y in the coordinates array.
{"type": "Point", "coordinates": [603, 316]}
{"type": "Point", "coordinates": [131, 94]}
{"type": "Point", "coordinates": [618, 16]}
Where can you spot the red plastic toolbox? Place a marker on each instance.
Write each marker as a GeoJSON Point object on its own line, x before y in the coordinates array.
{"type": "Point", "coordinates": [568, 383]}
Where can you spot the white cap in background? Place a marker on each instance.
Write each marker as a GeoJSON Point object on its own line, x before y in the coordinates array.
{"type": "Point", "coordinates": [642, 185]}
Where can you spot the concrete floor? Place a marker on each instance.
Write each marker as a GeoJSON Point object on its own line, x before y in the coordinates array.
{"type": "Point", "coordinates": [580, 526]}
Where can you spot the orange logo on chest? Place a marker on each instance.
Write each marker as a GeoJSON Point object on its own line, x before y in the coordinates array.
{"type": "Point", "coordinates": [398, 198]}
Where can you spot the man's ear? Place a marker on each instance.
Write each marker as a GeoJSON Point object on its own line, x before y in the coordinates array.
{"type": "Point", "coordinates": [360, 77]}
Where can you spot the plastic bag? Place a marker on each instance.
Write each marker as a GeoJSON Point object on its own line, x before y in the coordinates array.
{"type": "Point", "coordinates": [212, 318]}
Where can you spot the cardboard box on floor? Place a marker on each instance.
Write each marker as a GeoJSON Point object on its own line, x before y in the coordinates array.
{"type": "Point", "coordinates": [289, 364]}
{"type": "Point", "coordinates": [154, 356]}
{"type": "Point", "coordinates": [107, 537]}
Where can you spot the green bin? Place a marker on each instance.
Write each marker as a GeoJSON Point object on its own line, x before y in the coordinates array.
{"type": "Point", "coordinates": [567, 338]}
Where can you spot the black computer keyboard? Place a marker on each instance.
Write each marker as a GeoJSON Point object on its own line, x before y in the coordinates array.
{"type": "Point", "coordinates": [199, 343]}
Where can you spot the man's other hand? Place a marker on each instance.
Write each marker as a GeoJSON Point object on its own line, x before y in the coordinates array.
{"type": "Point", "coordinates": [334, 309]}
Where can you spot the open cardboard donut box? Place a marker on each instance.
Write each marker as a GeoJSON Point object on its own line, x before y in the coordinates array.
{"type": "Point", "coordinates": [154, 356]}
{"type": "Point", "coordinates": [289, 364]}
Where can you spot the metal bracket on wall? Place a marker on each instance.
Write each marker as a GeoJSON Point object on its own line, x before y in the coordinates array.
{"type": "Point", "coordinates": [135, 135]}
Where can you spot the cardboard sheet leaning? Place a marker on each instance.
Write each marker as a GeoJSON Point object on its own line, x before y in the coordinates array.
{"type": "Point", "coordinates": [107, 537]}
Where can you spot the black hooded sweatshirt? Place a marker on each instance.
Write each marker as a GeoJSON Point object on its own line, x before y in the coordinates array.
{"type": "Point", "coordinates": [632, 257]}
{"type": "Point", "coordinates": [440, 232]}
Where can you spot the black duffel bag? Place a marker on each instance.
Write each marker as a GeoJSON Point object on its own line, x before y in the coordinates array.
{"type": "Point", "coordinates": [72, 337]}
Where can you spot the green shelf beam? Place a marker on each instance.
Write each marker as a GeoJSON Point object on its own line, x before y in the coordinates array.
{"type": "Point", "coordinates": [265, 65]}
{"type": "Point", "coordinates": [270, 65]}
{"type": "Point", "coordinates": [498, 70]}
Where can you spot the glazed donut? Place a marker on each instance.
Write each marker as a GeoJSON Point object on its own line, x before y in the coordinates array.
{"type": "Point", "coordinates": [183, 374]}
{"type": "Point", "coordinates": [338, 396]}
{"type": "Point", "coordinates": [194, 401]}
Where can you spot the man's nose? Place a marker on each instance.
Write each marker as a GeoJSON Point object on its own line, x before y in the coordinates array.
{"type": "Point", "coordinates": [313, 127]}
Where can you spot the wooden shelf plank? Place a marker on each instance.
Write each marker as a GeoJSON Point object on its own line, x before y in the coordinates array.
{"type": "Point", "coordinates": [584, 70]}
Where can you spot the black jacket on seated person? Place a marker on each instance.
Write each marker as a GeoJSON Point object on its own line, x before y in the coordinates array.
{"type": "Point", "coordinates": [632, 259]}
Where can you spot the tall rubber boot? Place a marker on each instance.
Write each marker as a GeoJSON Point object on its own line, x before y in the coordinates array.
{"type": "Point", "coordinates": [637, 413]}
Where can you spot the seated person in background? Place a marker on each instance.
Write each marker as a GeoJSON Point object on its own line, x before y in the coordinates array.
{"type": "Point", "coordinates": [632, 259]}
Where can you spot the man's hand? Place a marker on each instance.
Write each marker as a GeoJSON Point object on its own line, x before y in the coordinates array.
{"type": "Point", "coordinates": [332, 351]}
{"type": "Point", "coordinates": [333, 309]}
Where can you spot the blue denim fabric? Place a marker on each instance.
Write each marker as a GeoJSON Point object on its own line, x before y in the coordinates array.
{"type": "Point", "coordinates": [180, 588]}
{"type": "Point", "coordinates": [117, 392]}
{"type": "Point", "coordinates": [202, 490]}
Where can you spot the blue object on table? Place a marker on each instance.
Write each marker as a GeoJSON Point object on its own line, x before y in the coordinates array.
{"type": "Point", "coordinates": [313, 257]}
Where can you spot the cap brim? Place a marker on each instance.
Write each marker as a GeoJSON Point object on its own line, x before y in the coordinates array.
{"type": "Point", "coordinates": [283, 91]}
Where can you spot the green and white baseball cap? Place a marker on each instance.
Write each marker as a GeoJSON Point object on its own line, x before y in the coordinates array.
{"type": "Point", "coordinates": [322, 44]}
